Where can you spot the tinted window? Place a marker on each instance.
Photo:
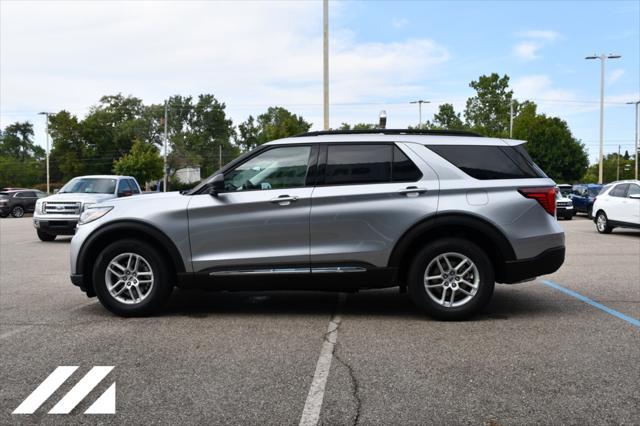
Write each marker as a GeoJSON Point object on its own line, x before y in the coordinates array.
{"type": "Point", "coordinates": [354, 164]}
{"type": "Point", "coordinates": [133, 186]}
{"type": "Point", "coordinates": [619, 190]}
{"type": "Point", "coordinates": [403, 169]}
{"type": "Point", "coordinates": [277, 168]}
{"type": "Point", "coordinates": [490, 162]}
{"type": "Point", "coordinates": [633, 189]}
{"type": "Point", "coordinates": [19, 195]}
{"type": "Point", "coordinates": [123, 186]}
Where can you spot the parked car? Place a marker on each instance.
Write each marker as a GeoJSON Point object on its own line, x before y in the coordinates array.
{"type": "Point", "coordinates": [564, 206]}
{"type": "Point", "coordinates": [18, 202]}
{"type": "Point", "coordinates": [443, 215]}
{"type": "Point", "coordinates": [565, 189]}
{"type": "Point", "coordinates": [583, 196]}
{"type": "Point", "coordinates": [618, 205]}
{"type": "Point", "coordinates": [58, 214]}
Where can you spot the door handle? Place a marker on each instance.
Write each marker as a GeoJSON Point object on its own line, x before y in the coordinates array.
{"type": "Point", "coordinates": [412, 190]}
{"type": "Point", "coordinates": [284, 200]}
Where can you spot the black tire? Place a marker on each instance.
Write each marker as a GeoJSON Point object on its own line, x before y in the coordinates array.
{"type": "Point", "coordinates": [162, 279]}
{"type": "Point", "coordinates": [568, 217]}
{"type": "Point", "coordinates": [430, 252]}
{"type": "Point", "coordinates": [17, 212]}
{"type": "Point", "coordinates": [603, 228]}
{"type": "Point", "coordinates": [45, 236]}
{"type": "Point", "coordinates": [3, 215]}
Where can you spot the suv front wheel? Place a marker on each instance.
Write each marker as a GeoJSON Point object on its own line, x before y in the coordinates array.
{"type": "Point", "coordinates": [131, 278]}
{"type": "Point", "coordinates": [451, 279]}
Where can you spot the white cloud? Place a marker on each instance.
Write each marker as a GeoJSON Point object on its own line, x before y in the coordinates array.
{"type": "Point", "coordinates": [56, 55]}
{"type": "Point", "coordinates": [535, 40]}
{"type": "Point", "coordinates": [527, 50]}
{"type": "Point", "coordinates": [546, 35]}
{"type": "Point", "coordinates": [399, 22]}
{"type": "Point", "coordinates": [614, 76]}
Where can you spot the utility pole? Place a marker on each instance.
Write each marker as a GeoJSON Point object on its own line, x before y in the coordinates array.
{"type": "Point", "coordinates": [636, 103]}
{"type": "Point", "coordinates": [325, 61]}
{"type": "Point", "coordinates": [511, 119]}
{"type": "Point", "coordinates": [602, 58]}
{"type": "Point", "coordinates": [46, 131]}
{"type": "Point", "coordinates": [219, 156]}
{"type": "Point", "coordinates": [420, 102]}
{"type": "Point", "coordinates": [166, 142]}
{"type": "Point", "coordinates": [618, 165]}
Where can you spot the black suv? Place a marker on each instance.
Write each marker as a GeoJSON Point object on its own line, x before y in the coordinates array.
{"type": "Point", "coordinates": [18, 202]}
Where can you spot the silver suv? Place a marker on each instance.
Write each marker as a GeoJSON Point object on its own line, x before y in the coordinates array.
{"type": "Point", "coordinates": [443, 215]}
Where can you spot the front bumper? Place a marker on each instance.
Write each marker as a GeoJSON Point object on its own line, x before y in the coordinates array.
{"type": "Point", "coordinates": [546, 262]}
{"type": "Point", "coordinates": [64, 226]}
{"type": "Point", "coordinates": [564, 211]}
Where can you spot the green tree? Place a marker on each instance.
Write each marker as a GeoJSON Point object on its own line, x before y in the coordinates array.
{"type": "Point", "coordinates": [276, 123]}
{"type": "Point", "coordinates": [488, 111]}
{"type": "Point", "coordinates": [357, 126]}
{"type": "Point", "coordinates": [70, 154]}
{"type": "Point", "coordinates": [610, 166]}
{"type": "Point", "coordinates": [143, 162]}
{"type": "Point", "coordinates": [551, 144]}
{"type": "Point", "coordinates": [446, 118]}
{"type": "Point", "coordinates": [16, 141]}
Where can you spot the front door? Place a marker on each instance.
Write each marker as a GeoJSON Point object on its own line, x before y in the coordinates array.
{"type": "Point", "coordinates": [261, 221]}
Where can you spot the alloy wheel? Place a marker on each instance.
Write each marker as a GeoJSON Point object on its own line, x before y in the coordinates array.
{"type": "Point", "coordinates": [451, 279]}
{"type": "Point", "coordinates": [129, 278]}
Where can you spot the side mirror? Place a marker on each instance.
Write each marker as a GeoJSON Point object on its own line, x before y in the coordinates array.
{"type": "Point", "coordinates": [55, 191]}
{"type": "Point", "coordinates": [635, 196]}
{"type": "Point", "coordinates": [216, 185]}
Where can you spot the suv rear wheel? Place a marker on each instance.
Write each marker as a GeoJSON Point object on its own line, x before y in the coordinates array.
{"type": "Point", "coordinates": [131, 278]}
{"type": "Point", "coordinates": [451, 279]}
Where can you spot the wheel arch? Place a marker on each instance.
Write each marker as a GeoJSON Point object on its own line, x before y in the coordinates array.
{"type": "Point", "coordinates": [477, 230]}
{"type": "Point", "coordinates": [126, 229]}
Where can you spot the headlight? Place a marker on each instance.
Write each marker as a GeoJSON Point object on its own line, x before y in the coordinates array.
{"type": "Point", "coordinates": [92, 213]}
{"type": "Point", "coordinates": [39, 204]}
{"type": "Point", "coordinates": [87, 206]}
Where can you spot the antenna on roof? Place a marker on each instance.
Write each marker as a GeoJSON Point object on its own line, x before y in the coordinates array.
{"type": "Point", "coordinates": [383, 119]}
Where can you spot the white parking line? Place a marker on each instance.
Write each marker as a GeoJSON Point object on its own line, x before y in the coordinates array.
{"type": "Point", "coordinates": [313, 405]}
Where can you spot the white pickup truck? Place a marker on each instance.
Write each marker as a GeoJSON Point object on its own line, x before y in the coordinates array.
{"type": "Point", "coordinates": [58, 214]}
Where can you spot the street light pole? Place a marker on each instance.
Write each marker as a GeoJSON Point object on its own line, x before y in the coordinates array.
{"type": "Point", "coordinates": [602, 58]}
{"type": "Point", "coordinates": [636, 103]}
{"type": "Point", "coordinates": [46, 131]}
{"type": "Point", "coordinates": [420, 102]}
{"type": "Point", "coordinates": [166, 143]}
{"type": "Point", "coordinates": [325, 62]}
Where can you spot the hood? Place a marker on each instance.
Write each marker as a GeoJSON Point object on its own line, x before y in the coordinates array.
{"type": "Point", "coordinates": [84, 198]}
{"type": "Point", "coordinates": [141, 198]}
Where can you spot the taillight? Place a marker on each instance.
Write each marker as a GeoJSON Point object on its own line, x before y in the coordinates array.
{"type": "Point", "coordinates": [546, 196]}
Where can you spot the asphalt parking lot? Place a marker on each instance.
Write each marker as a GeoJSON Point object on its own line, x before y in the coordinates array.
{"type": "Point", "coordinates": [538, 354]}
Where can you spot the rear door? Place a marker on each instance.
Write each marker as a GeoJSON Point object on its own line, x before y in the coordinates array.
{"type": "Point", "coordinates": [616, 205]}
{"type": "Point", "coordinates": [260, 224]}
{"type": "Point", "coordinates": [631, 212]}
{"type": "Point", "coordinates": [367, 196]}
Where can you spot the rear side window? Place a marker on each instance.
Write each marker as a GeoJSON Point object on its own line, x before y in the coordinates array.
{"type": "Point", "coordinates": [403, 169]}
{"type": "Point", "coordinates": [490, 161]}
{"type": "Point", "coordinates": [633, 190]}
{"type": "Point", "coordinates": [619, 190]}
{"type": "Point", "coordinates": [358, 164]}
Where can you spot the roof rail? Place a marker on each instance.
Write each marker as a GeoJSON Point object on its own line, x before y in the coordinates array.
{"type": "Point", "coordinates": [392, 132]}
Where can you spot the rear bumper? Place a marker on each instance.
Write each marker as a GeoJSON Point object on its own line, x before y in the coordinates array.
{"type": "Point", "coordinates": [56, 227]}
{"type": "Point", "coordinates": [546, 262]}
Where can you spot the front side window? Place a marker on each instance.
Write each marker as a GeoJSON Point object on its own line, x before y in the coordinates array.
{"type": "Point", "coordinates": [124, 188]}
{"type": "Point", "coordinates": [350, 164]}
{"type": "Point", "coordinates": [619, 190]}
{"type": "Point", "coordinates": [276, 168]}
{"type": "Point", "coordinates": [90, 186]}
{"type": "Point", "coordinates": [133, 186]}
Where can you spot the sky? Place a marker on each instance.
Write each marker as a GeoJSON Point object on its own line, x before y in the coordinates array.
{"type": "Point", "coordinates": [58, 55]}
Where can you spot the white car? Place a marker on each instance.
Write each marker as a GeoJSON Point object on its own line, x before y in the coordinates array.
{"type": "Point", "coordinates": [617, 205]}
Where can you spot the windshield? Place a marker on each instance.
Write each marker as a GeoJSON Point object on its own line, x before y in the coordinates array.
{"type": "Point", "coordinates": [90, 186]}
